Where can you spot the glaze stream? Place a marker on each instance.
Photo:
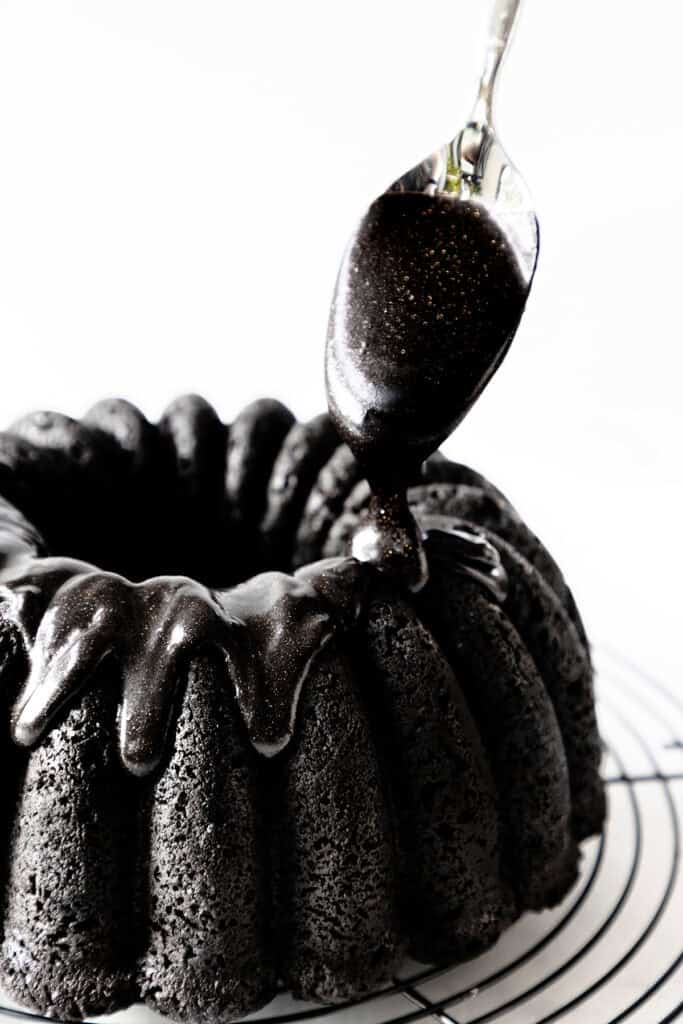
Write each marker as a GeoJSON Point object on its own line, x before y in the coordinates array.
{"type": "Point", "coordinates": [427, 301]}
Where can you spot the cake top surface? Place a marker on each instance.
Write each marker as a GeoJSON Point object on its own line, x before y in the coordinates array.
{"type": "Point", "coordinates": [68, 615]}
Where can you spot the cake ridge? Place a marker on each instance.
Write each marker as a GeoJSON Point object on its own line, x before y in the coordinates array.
{"type": "Point", "coordinates": [398, 706]}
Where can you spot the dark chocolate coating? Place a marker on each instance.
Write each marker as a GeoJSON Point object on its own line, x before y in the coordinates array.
{"type": "Point", "coordinates": [428, 298]}
{"type": "Point", "coordinates": [467, 551]}
{"type": "Point", "coordinates": [267, 631]}
{"type": "Point", "coordinates": [433, 758]}
{"type": "Point", "coordinates": [427, 301]}
{"type": "Point", "coordinates": [389, 538]}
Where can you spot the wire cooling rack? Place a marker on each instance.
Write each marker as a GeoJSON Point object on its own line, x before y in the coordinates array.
{"type": "Point", "coordinates": [613, 950]}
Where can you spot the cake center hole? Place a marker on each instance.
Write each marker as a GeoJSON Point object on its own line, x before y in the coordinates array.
{"type": "Point", "coordinates": [140, 539]}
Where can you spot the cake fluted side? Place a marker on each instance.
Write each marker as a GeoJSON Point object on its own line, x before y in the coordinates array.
{"type": "Point", "coordinates": [442, 767]}
{"type": "Point", "coordinates": [336, 883]}
{"type": "Point", "coordinates": [70, 931]}
{"type": "Point", "coordinates": [204, 879]}
{"type": "Point", "coordinates": [440, 786]}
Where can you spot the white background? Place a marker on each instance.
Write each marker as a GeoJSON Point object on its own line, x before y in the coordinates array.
{"type": "Point", "coordinates": [178, 180]}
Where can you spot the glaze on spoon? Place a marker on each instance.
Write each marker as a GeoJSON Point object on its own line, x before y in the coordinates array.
{"type": "Point", "coordinates": [428, 299]}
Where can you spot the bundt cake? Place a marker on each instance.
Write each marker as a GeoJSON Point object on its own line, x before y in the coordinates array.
{"type": "Point", "coordinates": [236, 757]}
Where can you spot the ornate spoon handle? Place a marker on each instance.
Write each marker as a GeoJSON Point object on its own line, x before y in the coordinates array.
{"type": "Point", "coordinates": [500, 31]}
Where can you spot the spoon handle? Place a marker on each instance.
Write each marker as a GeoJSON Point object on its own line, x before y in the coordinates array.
{"type": "Point", "coordinates": [500, 31]}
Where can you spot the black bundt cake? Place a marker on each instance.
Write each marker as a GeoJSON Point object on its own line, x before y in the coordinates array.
{"type": "Point", "coordinates": [236, 757]}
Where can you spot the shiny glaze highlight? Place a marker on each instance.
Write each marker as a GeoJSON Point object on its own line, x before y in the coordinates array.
{"type": "Point", "coordinates": [267, 631]}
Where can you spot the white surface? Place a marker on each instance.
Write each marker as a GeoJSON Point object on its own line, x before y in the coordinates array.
{"type": "Point", "coordinates": [177, 182]}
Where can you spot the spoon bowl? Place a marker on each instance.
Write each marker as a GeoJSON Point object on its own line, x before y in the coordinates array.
{"type": "Point", "coordinates": [475, 166]}
{"type": "Point", "coordinates": [428, 298]}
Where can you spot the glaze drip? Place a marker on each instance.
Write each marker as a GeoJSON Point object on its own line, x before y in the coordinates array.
{"type": "Point", "coordinates": [268, 631]}
{"type": "Point", "coordinates": [427, 301]}
{"type": "Point", "coordinates": [287, 620]}
{"type": "Point", "coordinates": [388, 538]}
{"type": "Point", "coordinates": [469, 552]}
{"type": "Point", "coordinates": [68, 616]}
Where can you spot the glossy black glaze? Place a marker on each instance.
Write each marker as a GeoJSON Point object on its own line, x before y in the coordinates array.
{"type": "Point", "coordinates": [468, 552]}
{"type": "Point", "coordinates": [69, 615]}
{"type": "Point", "coordinates": [428, 298]}
{"type": "Point", "coordinates": [268, 630]}
{"type": "Point", "coordinates": [388, 538]}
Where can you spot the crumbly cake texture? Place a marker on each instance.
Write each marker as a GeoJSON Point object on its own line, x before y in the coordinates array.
{"type": "Point", "coordinates": [440, 774]}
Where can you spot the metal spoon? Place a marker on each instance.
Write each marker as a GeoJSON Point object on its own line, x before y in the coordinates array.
{"type": "Point", "coordinates": [428, 298]}
{"type": "Point", "coordinates": [475, 165]}
{"type": "Point", "coordinates": [432, 288]}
